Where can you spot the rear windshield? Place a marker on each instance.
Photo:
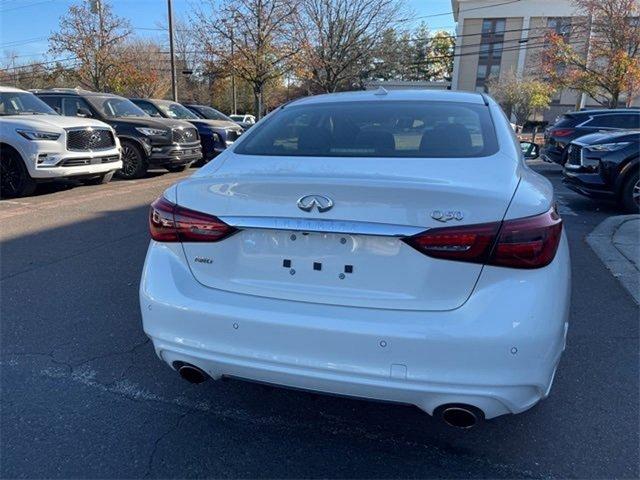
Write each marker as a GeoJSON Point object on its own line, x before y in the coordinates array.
{"type": "Point", "coordinates": [375, 129]}
{"type": "Point", "coordinates": [566, 121]}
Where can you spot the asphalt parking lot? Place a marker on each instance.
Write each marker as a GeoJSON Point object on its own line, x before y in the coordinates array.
{"type": "Point", "coordinates": [83, 394]}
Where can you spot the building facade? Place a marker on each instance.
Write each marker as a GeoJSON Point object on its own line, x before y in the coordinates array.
{"type": "Point", "coordinates": [494, 37]}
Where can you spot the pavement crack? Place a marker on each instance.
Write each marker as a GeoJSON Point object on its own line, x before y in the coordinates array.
{"type": "Point", "coordinates": [160, 438]}
{"type": "Point", "coordinates": [112, 354]}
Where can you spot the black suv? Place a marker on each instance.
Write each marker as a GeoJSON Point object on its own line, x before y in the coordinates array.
{"type": "Point", "coordinates": [145, 141]}
{"type": "Point", "coordinates": [606, 166]}
{"type": "Point", "coordinates": [576, 124]}
{"type": "Point", "coordinates": [233, 130]}
{"type": "Point", "coordinates": [213, 133]}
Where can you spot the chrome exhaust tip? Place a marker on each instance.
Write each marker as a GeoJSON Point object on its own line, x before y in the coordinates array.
{"type": "Point", "coordinates": [459, 415]}
{"type": "Point", "coordinates": [192, 374]}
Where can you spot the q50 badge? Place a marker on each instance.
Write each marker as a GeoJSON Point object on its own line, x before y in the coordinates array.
{"type": "Point", "coordinates": [446, 215]}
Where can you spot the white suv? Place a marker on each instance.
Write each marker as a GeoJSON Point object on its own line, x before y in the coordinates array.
{"type": "Point", "coordinates": [37, 144]}
{"type": "Point", "coordinates": [387, 245]}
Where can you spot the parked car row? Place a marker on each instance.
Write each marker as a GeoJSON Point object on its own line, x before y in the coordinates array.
{"type": "Point", "coordinates": [106, 135]}
{"type": "Point", "coordinates": [599, 152]}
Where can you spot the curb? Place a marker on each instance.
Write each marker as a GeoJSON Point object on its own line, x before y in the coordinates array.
{"type": "Point", "coordinates": [604, 242]}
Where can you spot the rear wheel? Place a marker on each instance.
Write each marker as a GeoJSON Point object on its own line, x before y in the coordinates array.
{"type": "Point", "coordinates": [15, 180]}
{"type": "Point", "coordinates": [630, 195]}
{"type": "Point", "coordinates": [134, 163]}
{"type": "Point", "coordinates": [101, 179]}
{"type": "Point", "coordinates": [177, 168]}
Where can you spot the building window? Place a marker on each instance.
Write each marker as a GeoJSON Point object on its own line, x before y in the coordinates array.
{"type": "Point", "coordinates": [490, 54]}
{"type": "Point", "coordinates": [560, 26]}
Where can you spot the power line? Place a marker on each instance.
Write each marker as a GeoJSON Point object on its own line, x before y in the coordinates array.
{"type": "Point", "coordinates": [15, 43]}
{"type": "Point", "coordinates": [464, 10]}
{"type": "Point", "coordinates": [4, 10]}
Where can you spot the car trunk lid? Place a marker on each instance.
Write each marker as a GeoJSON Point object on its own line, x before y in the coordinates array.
{"type": "Point", "coordinates": [351, 254]}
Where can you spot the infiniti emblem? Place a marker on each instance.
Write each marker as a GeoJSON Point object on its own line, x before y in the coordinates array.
{"type": "Point", "coordinates": [320, 202]}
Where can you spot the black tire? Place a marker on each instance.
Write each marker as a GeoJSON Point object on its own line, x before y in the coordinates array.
{"type": "Point", "coordinates": [15, 180]}
{"type": "Point", "coordinates": [630, 194]}
{"type": "Point", "coordinates": [101, 179]}
{"type": "Point", "coordinates": [177, 168]}
{"type": "Point", "coordinates": [134, 162]}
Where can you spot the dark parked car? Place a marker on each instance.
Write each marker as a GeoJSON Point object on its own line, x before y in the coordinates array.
{"type": "Point", "coordinates": [213, 133]}
{"type": "Point", "coordinates": [606, 165]}
{"type": "Point", "coordinates": [232, 128]}
{"type": "Point", "coordinates": [146, 141]}
{"type": "Point", "coordinates": [573, 125]}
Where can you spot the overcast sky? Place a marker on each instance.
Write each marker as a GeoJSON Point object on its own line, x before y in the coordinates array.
{"type": "Point", "coordinates": [26, 24]}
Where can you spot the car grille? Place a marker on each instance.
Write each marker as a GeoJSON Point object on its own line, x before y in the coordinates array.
{"type": "Point", "coordinates": [574, 154]}
{"type": "Point", "coordinates": [86, 139]}
{"type": "Point", "coordinates": [185, 135]}
{"type": "Point", "coordinates": [232, 135]}
{"type": "Point", "coordinates": [78, 162]}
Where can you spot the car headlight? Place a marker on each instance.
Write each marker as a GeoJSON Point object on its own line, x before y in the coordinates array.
{"type": "Point", "coordinates": [608, 147]}
{"type": "Point", "coordinates": [152, 132]}
{"type": "Point", "coordinates": [38, 135]}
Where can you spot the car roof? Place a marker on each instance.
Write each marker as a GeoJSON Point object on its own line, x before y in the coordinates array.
{"type": "Point", "coordinates": [75, 91]}
{"type": "Point", "coordinates": [153, 100]}
{"type": "Point", "coordinates": [4, 89]}
{"type": "Point", "coordinates": [399, 95]}
{"type": "Point", "coordinates": [604, 111]}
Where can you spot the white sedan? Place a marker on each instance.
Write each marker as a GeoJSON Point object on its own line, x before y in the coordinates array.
{"type": "Point", "coordinates": [331, 250]}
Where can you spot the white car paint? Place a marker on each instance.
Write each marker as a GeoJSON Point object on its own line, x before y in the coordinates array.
{"type": "Point", "coordinates": [55, 150]}
{"type": "Point", "coordinates": [403, 326]}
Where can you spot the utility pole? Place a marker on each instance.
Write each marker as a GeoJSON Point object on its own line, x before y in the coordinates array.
{"type": "Point", "coordinates": [96, 7]}
{"type": "Point", "coordinates": [583, 95]}
{"type": "Point", "coordinates": [174, 84]}
{"type": "Point", "coordinates": [234, 97]}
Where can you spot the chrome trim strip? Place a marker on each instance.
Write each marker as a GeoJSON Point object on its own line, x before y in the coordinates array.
{"type": "Point", "coordinates": [323, 226]}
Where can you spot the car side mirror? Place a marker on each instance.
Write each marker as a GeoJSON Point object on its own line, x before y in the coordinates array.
{"type": "Point", "coordinates": [530, 150]}
{"type": "Point", "coordinates": [83, 112]}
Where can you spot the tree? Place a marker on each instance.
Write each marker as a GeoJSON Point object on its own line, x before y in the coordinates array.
{"type": "Point", "coordinates": [610, 65]}
{"type": "Point", "coordinates": [143, 70]}
{"type": "Point", "coordinates": [260, 33]}
{"type": "Point", "coordinates": [389, 56]}
{"type": "Point", "coordinates": [340, 37]}
{"type": "Point", "coordinates": [521, 97]}
{"type": "Point", "coordinates": [440, 56]}
{"type": "Point", "coordinates": [94, 35]}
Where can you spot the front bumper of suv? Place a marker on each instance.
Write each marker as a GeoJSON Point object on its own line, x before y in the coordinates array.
{"type": "Point", "coordinates": [175, 154]}
{"type": "Point", "coordinates": [50, 160]}
{"type": "Point", "coordinates": [499, 351]}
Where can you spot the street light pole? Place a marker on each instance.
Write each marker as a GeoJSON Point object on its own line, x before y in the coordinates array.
{"type": "Point", "coordinates": [174, 84]}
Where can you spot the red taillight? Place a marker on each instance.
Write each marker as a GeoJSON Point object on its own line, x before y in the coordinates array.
{"type": "Point", "coordinates": [529, 242]}
{"type": "Point", "coordinates": [169, 222]}
{"type": "Point", "coordinates": [562, 132]}
{"type": "Point", "coordinates": [469, 244]}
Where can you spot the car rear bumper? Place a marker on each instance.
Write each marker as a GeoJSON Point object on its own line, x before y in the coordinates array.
{"type": "Point", "coordinates": [498, 352]}
{"type": "Point", "coordinates": [551, 155]}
